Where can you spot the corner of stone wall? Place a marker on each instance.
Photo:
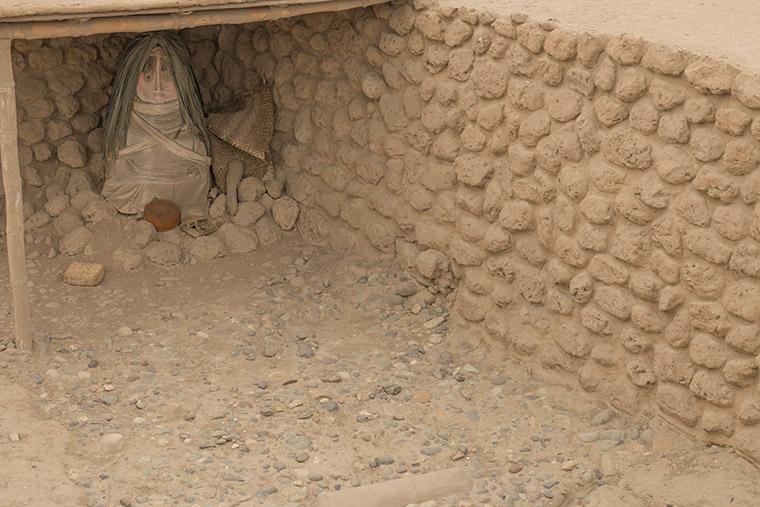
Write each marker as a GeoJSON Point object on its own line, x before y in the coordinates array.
{"type": "Point", "coordinates": [591, 198]}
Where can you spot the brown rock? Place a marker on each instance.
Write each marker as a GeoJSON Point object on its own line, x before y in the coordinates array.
{"type": "Point", "coordinates": [532, 288]}
{"type": "Point", "coordinates": [628, 149]}
{"type": "Point", "coordinates": [473, 169]}
{"type": "Point", "coordinates": [644, 116]}
{"type": "Point", "coordinates": [596, 321]}
{"type": "Point", "coordinates": [531, 36]}
{"type": "Point", "coordinates": [666, 96]}
{"type": "Point", "coordinates": [534, 127]}
{"type": "Point", "coordinates": [707, 144]}
{"type": "Point", "coordinates": [707, 351]}
{"type": "Point", "coordinates": [699, 110]}
{"type": "Point", "coordinates": [664, 266]}
{"type": "Point", "coordinates": [709, 317]}
{"type": "Point", "coordinates": [647, 319]}
{"type": "Point", "coordinates": [672, 365]}
{"type": "Point", "coordinates": [472, 307]}
{"type": "Point", "coordinates": [561, 44]}
{"type": "Point", "coordinates": [678, 332]}
{"type": "Point", "coordinates": [714, 181]}
{"type": "Point", "coordinates": [563, 104]}
{"type": "Point", "coordinates": [664, 60]}
{"type": "Point", "coordinates": [712, 387]}
{"type": "Point", "coordinates": [614, 300]}
{"type": "Point", "coordinates": [489, 79]}
{"type": "Point", "coordinates": [742, 298]}
{"type": "Point", "coordinates": [581, 288]}
{"type": "Point", "coordinates": [626, 49]}
{"type": "Point", "coordinates": [674, 166]}
{"type": "Point", "coordinates": [640, 372]}
{"type": "Point", "coordinates": [746, 89]}
{"type": "Point", "coordinates": [711, 76]}
{"type": "Point", "coordinates": [631, 244]}
{"type": "Point", "coordinates": [715, 420]}
{"type": "Point", "coordinates": [631, 85]}
{"type": "Point", "coordinates": [670, 298]}
{"type": "Point", "coordinates": [673, 128]}
{"type": "Point", "coordinates": [629, 206]}
{"type": "Point", "coordinates": [741, 372]}
{"type": "Point", "coordinates": [597, 209]}
{"type": "Point", "coordinates": [703, 279]}
{"type": "Point", "coordinates": [731, 222]}
{"type": "Point", "coordinates": [609, 111]}
{"type": "Point", "coordinates": [573, 182]}
{"type": "Point", "coordinates": [693, 208]}
{"type": "Point", "coordinates": [666, 233]}
{"type": "Point", "coordinates": [741, 156]}
{"type": "Point", "coordinates": [608, 270]}
{"type": "Point", "coordinates": [732, 121]}
{"type": "Point", "coordinates": [708, 245]}
{"type": "Point", "coordinates": [646, 285]}
{"type": "Point", "coordinates": [679, 402]}
{"type": "Point", "coordinates": [589, 49]}
{"type": "Point", "coordinates": [744, 338]}
{"type": "Point", "coordinates": [749, 411]}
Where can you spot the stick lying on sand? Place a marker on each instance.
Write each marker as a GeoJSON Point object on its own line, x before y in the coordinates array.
{"type": "Point", "coordinates": [400, 492]}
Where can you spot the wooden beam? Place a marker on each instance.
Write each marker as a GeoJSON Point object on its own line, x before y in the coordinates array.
{"type": "Point", "coordinates": [14, 210]}
{"type": "Point", "coordinates": [131, 22]}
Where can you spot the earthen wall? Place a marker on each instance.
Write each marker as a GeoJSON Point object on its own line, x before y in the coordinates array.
{"type": "Point", "coordinates": [592, 199]}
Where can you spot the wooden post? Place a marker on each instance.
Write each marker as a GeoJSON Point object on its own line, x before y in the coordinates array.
{"type": "Point", "coordinates": [14, 210]}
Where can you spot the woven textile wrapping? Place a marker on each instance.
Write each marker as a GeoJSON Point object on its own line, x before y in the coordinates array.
{"type": "Point", "coordinates": [221, 155]}
{"type": "Point", "coordinates": [243, 130]}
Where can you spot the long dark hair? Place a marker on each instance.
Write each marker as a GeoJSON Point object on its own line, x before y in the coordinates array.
{"type": "Point", "coordinates": [125, 84]}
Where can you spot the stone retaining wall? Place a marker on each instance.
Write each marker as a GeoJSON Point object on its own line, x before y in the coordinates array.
{"type": "Point", "coordinates": [593, 200]}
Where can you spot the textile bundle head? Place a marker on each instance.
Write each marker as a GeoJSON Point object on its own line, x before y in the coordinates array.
{"type": "Point", "coordinates": [125, 85]}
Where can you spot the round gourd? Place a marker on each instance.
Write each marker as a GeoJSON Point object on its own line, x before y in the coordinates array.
{"type": "Point", "coordinates": [163, 214]}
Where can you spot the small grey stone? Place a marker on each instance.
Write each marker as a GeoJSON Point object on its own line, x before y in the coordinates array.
{"type": "Point", "coordinates": [617, 435]}
{"type": "Point", "coordinates": [430, 451]}
{"type": "Point", "coordinates": [602, 417]}
{"type": "Point", "coordinates": [269, 490]}
{"type": "Point", "coordinates": [108, 399]}
{"type": "Point", "coordinates": [396, 300]}
{"type": "Point", "coordinates": [305, 350]}
{"type": "Point", "coordinates": [298, 442]}
{"type": "Point", "coordinates": [588, 437]}
{"type": "Point", "coordinates": [315, 477]}
{"type": "Point", "coordinates": [302, 457]}
{"type": "Point", "coordinates": [406, 289]}
{"type": "Point", "coordinates": [498, 380]}
{"type": "Point", "coordinates": [331, 406]}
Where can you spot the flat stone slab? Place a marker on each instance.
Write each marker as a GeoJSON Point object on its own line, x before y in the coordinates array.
{"type": "Point", "coordinates": [84, 274]}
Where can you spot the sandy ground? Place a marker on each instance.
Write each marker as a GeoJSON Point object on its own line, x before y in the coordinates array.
{"type": "Point", "coordinates": [268, 378]}
{"type": "Point", "coordinates": [725, 29]}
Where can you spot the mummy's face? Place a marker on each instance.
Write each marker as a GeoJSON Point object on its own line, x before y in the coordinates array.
{"type": "Point", "coordinates": [155, 84]}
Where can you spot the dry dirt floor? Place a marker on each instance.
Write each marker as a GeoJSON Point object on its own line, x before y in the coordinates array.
{"type": "Point", "coordinates": [726, 29]}
{"type": "Point", "coordinates": [270, 377]}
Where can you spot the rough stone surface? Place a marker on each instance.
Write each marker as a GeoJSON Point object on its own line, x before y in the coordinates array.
{"type": "Point", "coordinates": [84, 274]}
